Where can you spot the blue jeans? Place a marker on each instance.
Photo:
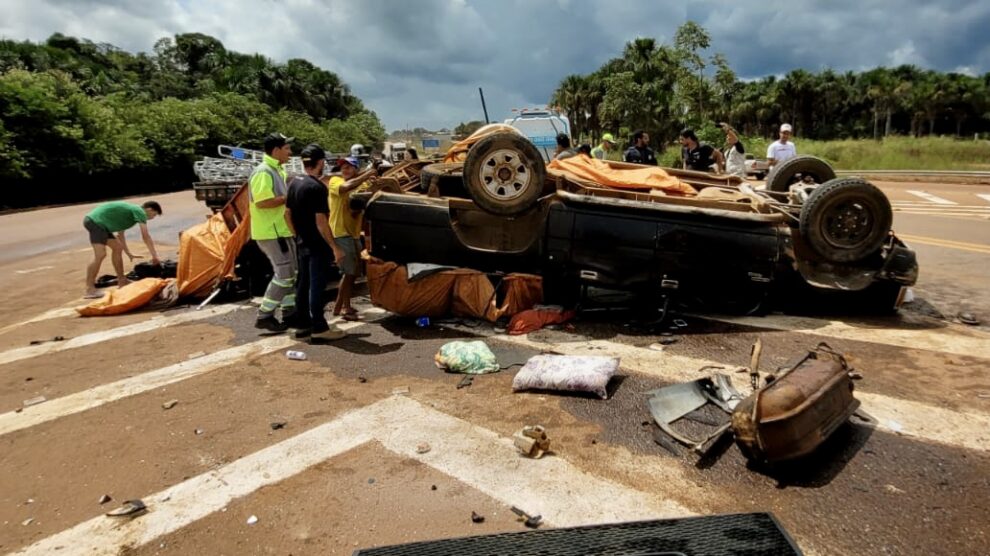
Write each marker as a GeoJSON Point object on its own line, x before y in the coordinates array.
{"type": "Point", "coordinates": [311, 286]}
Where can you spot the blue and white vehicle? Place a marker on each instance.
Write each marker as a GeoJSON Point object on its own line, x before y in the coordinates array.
{"type": "Point", "coordinates": [541, 127]}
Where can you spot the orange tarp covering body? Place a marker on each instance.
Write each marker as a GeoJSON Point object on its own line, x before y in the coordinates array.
{"type": "Point", "coordinates": [459, 292]}
{"type": "Point", "coordinates": [458, 151]}
{"type": "Point", "coordinates": [131, 297]}
{"type": "Point", "coordinates": [201, 256]}
{"type": "Point", "coordinates": [601, 173]}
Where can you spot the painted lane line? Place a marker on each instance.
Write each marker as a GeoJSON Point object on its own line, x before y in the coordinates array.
{"type": "Point", "coordinates": [107, 393]}
{"type": "Point", "coordinates": [932, 198]}
{"type": "Point", "coordinates": [32, 270]}
{"type": "Point", "coordinates": [59, 313]}
{"type": "Point", "coordinates": [949, 339]}
{"type": "Point", "coordinates": [481, 458]}
{"type": "Point", "coordinates": [921, 420]}
{"type": "Point", "coordinates": [958, 245]}
{"type": "Point", "coordinates": [931, 206]}
{"type": "Point", "coordinates": [984, 196]}
{"type": "Point", "coordinates": [155, 323]}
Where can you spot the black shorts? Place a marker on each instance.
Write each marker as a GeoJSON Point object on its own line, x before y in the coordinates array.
{"type": "Point", "coordinates": [98, 235]}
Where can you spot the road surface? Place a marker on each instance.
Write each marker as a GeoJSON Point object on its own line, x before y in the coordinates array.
{"type": "Point", "coordinates": [367, 443]}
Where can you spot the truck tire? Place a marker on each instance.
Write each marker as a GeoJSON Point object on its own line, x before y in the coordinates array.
{"type": "Point", "coordinates": [504, 174]}
{"type": "Point", "coordinates": [443, 180]}
{"type": "Point", "coordinates": [790, 171]}
{"type": "Point", "coordinates": [846, 219]}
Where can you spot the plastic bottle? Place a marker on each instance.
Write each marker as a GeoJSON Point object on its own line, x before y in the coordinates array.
{"type": "Point", "coordinates": [423, 322]}
{"type": "Point", "coordinates": [296, 355]}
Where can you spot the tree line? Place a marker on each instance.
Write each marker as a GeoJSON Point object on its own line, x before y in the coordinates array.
{"type": "Point", "coordinates": [80, 120]}
{"type": "Point", "coordinates": [663, 88]}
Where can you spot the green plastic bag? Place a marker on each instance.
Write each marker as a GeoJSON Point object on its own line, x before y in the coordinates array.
{"type": "Point", "coordinates": [472, 358]}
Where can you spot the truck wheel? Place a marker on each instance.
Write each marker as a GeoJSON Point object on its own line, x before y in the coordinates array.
{"type": "Point", "coordinates": [443, 180]}
{"type": "Point", "coordinates": [846, 220]}
{"type": "Point", "coordinates": [797, 168]}
{"type": "Point", "coordinates": [504, 174]}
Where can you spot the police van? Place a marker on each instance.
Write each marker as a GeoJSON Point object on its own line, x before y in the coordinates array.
{"type": "Point", "coordinates": [541, 127]}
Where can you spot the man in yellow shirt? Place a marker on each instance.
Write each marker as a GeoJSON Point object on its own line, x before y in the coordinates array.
{"type": "Point", "coordinates": [273, 234]}
{"type": "Point", "coordinates": [345, 225]}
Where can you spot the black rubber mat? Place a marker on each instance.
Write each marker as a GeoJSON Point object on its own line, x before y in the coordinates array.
{"type": "Point", "coordinates": [756, 534]}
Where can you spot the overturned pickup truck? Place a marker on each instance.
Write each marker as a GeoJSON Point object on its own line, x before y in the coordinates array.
{"type": "Point", "coordinates": [706, 242]}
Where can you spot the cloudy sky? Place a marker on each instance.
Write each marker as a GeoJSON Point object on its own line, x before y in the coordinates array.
{"type": "Point", "coordinates": [419, 63]}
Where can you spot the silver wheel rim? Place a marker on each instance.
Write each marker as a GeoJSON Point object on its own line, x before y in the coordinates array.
{"type": "Point", "coordinates": [504, 175]}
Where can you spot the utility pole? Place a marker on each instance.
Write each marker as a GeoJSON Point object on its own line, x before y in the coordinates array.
{"type": "Point", "coordinates": [483, 107]}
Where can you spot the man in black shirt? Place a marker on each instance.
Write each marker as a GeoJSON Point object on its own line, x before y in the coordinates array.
{"type": "Point", "coordinates": [640, 152]}
{"type": "Point", "coordinates": [307, 208]}
{"type": "Point", "coordinates": [699, 156]}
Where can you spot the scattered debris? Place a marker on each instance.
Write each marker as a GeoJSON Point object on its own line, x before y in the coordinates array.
{"type": "Point", "coordinates": [892, 489]}
{"type": "Point", "coordinates": [570, 373]}
{"type": "Point", "coordinates": [422, 448]}
{"type": "Point", "coordinates": [657, 347]}
{"type": "Point", "coordinates": [105, 498]}
{"type": "Point", "coordinates": [130, 508]}
{"type": "Point", "coordinates": [465, 382]}
{"type": "Point", "coordinates": [433, 487]}
{"type": "Point", "coordinates": [538, 317]}
{"type": "Point", "coordinates": [296, 355]}
{"type": "Point", "coordinates": [30, 501]}
{"type": "Point", "coordinates": [195, 355]}
{"type": "Point", "coordinates": [35, 401]}
{"type": "Point", "coordinates": [362, 380]}
{"type": "Point", "coordinates": [667, 341]}
{"type": "Point", "coordinates": [371, 481]}
{"type": "Point", "coordinates": [968, 318]}
{"type": "Point", "coordinates": [28, 379]}
{"type": "Point", "coordinates": [198, 431]}
{"type": "Point", "coordinates": [400, 391]}
{"type": "Point", "coordinates": [680, 323]}
{"type": "Point", "coordinates": [894, 426]}
{"type": "Point", "coordinates": [27, 521]}
{"type": "Point", "coordinates": [983, 396]}
{"type": "Point", "coordinates": [169, 404]}
{"type": "Point", "coordinates": [472, 358]}
{"type": "Point", "coordinates": [475, 518]}
{"type": "Point", "coordinates": [55, 339]}
{"type": "Point", "coordinates": [908, 295]}
{"type": "Point", "coordinates": [278, 425]}
{"type": "Point", "coordinates": [252, 520]}
{"type": "Point", "coordinates": [532, 441]}
{"type": "Point", "coordinates": [531, 521]}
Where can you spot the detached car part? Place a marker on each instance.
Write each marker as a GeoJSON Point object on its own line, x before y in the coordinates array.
{"type": "Point", "coordinates": [796, 411]}
{"type": "Point", "coordinates": [803, 169]}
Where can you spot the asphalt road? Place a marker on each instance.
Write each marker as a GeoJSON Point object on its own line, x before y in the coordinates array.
{"type": "Point", "coordinates": [367, 443]}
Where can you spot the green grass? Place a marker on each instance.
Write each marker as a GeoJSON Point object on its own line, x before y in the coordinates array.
{"type": "Point", "coordinates": [894, 153]}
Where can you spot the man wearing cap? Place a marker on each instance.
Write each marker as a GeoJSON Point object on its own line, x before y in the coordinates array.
{"type": "Point", "coordinates": [345, 225]}
{"type": "Point", "coordinates": [270, 230]}
{"type": "Point", "coordinates": [601, 151]}
{"type": "Point", "coordinates": [781, 149]}
{"type": "Point", "coordinates": [307, 208]}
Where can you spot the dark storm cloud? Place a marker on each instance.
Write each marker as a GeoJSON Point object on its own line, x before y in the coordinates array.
{"type": "Point", "coordinates": [420, 62]}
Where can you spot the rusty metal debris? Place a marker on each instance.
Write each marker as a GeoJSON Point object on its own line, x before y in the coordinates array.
{"type": "Point", "coordinates": [797, 410]}
{"type": "Point", "coordinates": [532, 441]}
{"type": "Point", "coordinates": [170, 404]}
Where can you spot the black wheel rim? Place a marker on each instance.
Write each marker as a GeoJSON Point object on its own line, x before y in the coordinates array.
{"type": "Point", "coordinates": [848, 223]}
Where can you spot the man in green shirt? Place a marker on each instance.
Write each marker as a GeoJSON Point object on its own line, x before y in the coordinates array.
{"type": "Point", "coordinates": [272, 232]}
{"type": "Point", "coordinates": [601, 151]}
{"type": "Point", "coordinates": [113, 218]}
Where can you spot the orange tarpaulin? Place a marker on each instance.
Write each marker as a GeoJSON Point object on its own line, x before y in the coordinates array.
{"type": "Point", "coordinates": [201, 256]}
{"type": "Point", "coordinates": [458, 151]}
{"type": "Point", "coordinates": [602, 173]}
{"type": "Point", "coordinates": [131, 297]}
{"type": "Point", "coordinates": [460, 292]}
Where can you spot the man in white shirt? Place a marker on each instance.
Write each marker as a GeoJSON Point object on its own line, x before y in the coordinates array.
{"type": "Point", "coordinates": [781, 149]}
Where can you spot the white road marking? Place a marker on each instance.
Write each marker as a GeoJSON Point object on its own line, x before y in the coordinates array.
{"type": "Point", "coordinates": [932, 198]}
{"type": "Point", "coordinates": [931, 206]}
{"type": "Point", "coordinates": [922, 420]}
{"type": "Point", "coordinates": [62, 312]}
{"type": "Point", "coordinates": [155, 323]}
{"type": "Point", "coordinates": [30, 270]}
{"type": "Point", "coordinates": [552, 487]}
{"type": "Point", "coordinates": [106, 393]}
{"type": "Point", "coordinates": [984, 196]}
{"type": "Point", "coordinates": [948, 339]}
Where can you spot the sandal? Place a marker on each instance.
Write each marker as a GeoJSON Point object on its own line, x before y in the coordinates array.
{"type": "Point", "coordinates": [351, 311]}
{"type": "Point", "coordinates": [351, 317]}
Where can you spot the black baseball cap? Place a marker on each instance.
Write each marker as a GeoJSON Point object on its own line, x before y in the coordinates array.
{"type": "Point", "coordinates": [276, 140]}
{"type": "Point", "coordinates": [312, 153]}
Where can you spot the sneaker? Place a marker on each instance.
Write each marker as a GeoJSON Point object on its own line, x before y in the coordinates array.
{"type": "Point", "coordinates": [329, 334]}
{"type": "Point", "coordinates": [270, 324]}
{"type": "Point", "coordinates": [303, 333]}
